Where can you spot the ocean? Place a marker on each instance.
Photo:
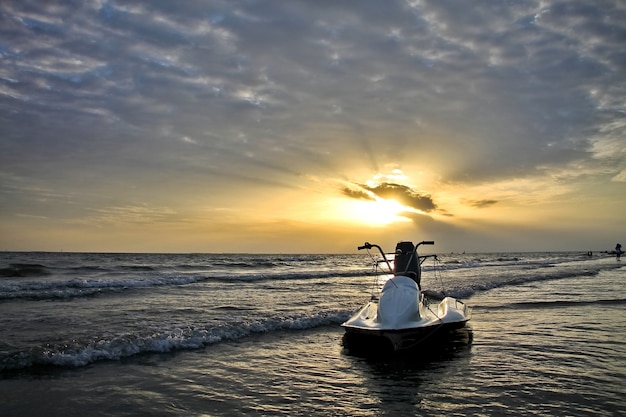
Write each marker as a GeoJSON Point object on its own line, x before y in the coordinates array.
{"type": "Point", "coordinates": [88, 334]}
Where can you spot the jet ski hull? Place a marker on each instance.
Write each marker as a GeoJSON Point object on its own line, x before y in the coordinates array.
{"type": "Point", "coordinates": [397, 340]}
{"type": "Point", "coordinates": [403, 318]}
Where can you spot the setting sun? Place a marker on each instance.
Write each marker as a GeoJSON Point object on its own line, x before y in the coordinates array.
{"type": "Point", "coordinates": [379, 212]}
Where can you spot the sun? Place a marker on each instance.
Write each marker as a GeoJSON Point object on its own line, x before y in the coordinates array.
{"type": "Point", "coordinates": [378, 212]}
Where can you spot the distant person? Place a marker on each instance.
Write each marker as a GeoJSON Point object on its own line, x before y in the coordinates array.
{"type": "Point", "coordinates": [618, 251]}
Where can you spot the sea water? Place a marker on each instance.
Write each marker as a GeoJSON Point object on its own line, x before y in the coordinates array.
{"type": "Point", "coordinates": [208, 334]}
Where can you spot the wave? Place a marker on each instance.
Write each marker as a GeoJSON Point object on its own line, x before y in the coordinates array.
{"type": "Point", "coordinates": [518, 260]}
{"type": "Point", "coordinates": [24, 270]}
{"type": "Point", "coordinates": [492, 263]}
{"type": "Point", "coordinates": [558, 304]}
{"type": "Point", "coordinates": [76, 354]}
{"type": "Point", "coordinates": [523, 276]}
{"type": "Point", "coordinates": [136, 267]}
{"type": "Point", "coordinates": [48, 283]}
{"type": "Point", "coordinates": [89, 268]}
{"type": "Point", "coordinates": [65, 289]}
{"type": "Point", "coordinates": [292, 275]}
{"type": "Point", "coordinates": [256, 262]}
{"type": "Point", "coordinates": [246, 265]}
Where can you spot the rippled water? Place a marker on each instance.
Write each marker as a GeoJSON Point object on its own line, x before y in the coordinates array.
{"type": "Point", "coordinates": [546, 338]}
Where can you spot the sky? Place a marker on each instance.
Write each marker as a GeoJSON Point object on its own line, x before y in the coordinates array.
{"type": "Point", "coordinates": [312, 126]}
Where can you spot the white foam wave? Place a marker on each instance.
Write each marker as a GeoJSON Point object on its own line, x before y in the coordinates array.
{"type": "Point", "coordinates": [54, 289]}
{"type": "Point", "coordinates": [127, 345]}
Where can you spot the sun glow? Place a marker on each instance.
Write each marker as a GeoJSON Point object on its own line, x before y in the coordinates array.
{"type": "Point", "coordinates": [377, 212]}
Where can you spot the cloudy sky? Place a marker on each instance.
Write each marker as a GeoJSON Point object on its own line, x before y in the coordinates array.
{"type": "Point", "coordinates": [312, 126]}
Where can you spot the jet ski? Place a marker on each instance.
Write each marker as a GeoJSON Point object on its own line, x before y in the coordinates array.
{"type": "Point", "coordinates": [403, 316]}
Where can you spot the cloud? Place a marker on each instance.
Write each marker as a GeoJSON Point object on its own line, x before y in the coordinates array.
{"type": "Point", "coordinates": [357, 194]}
{"type": "Point", "coordinates": [621, 177]}
{"type": "Point", "coordinates": [121, 104]}
{"type": "Point", "coordinates": [480, 203]}
{"type": "Point", "coordinates": [131, 215]}
{"type": "Point", "coordinates": [390, 191]}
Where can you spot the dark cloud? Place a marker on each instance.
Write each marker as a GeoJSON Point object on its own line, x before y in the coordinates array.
{"type": "Point", "coordinates": [480, 203]}
{"type": "Point", "coordinates": [389, 191]}
{"type": "Point", "coordinates": [356, 194]}
{"type": "Point", "coordinates": [510, 76]}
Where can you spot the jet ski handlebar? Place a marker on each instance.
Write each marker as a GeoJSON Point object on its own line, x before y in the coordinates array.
{"type": "Point", "coordinates": [369, 246]}
{"type": "Point", "coordinates": [420, 259]}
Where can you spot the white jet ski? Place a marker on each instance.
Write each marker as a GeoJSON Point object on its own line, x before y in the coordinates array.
{"type": "Point", "coordinates": [403, 316]}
